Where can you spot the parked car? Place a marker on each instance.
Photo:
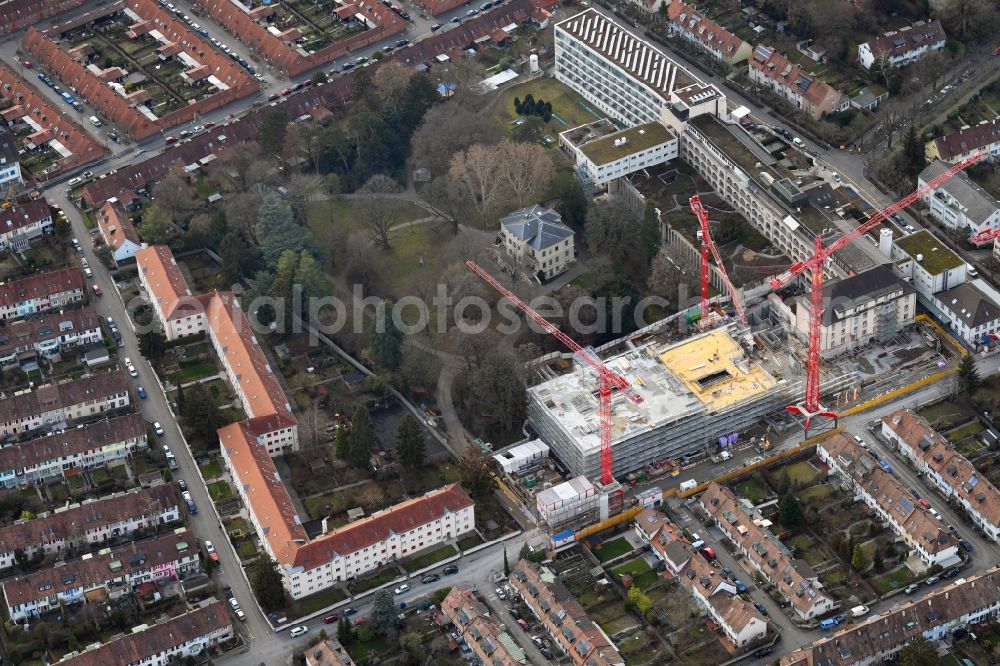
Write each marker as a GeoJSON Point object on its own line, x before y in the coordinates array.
{"type": "Point", "coordinates": [350, 611]}
{"type": "Point", "coordinates": [182, 484]}
{"type": "Point", "coordinates": [911, 588]}
{"type": "Point", "coordinates": [300, 630]}
{"type": "Point", "coordinates": [537, 640]}
{"type": "Point", "coordinates": [950, 573]}
{"type": "Point", "coordinates": [450, 569]}
{"type": "Point", "coordinates": [141, 391]}
{"type": "Point", "coordinates": [330, 619]}
{"type": "Point", "coordinates": [547, 653]}
{"type": "Point", "coordinates": [430, 578]}
{"type": "Point", "coordinates": [924, 503]}
{"type": "Point", "coordinates": [402, 588]}
{"type": "Point", "coordinates": [97, 290]}
{"type": "Point", "coordinates": [886, 466]}
{"type": "Point", "coordinates": [763, 652]}
{"type": "Point", "coordinates": [157, 428]}
{"type": "Point", "coordinates": [966, 545]}
{"type": "Point", "coordinates": [210, 549]}
{"type": "Point", "coordinates": [740, 585]}
{"type": "Point", "coordinates": [931, 580]}
{"type": "Point", "coordinates": [760, 608]}
{"type": "Point", "coordinates": [235, 604]}
{"type": "Point", "coordinates": [514, 613]}
{"type": "Point", "coordinates": [132, 372]}
{"type": "Point", "coordinates": [500, 593]}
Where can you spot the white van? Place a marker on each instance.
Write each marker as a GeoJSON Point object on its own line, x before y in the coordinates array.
{"type": "Point", "coordinates": [798, 142]}
{"type": "Point", "coordinates": [97, 121]}
{"type": "Point", "coordinates": [971, 270]}
{"type": "Point", "coordinates": [859, 611]}
{"type": "Point", "coordinates": [89, 273]}
{"type": "Point", "coordinates": [688, 485]}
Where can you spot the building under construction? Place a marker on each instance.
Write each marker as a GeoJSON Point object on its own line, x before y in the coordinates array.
{"type": "Point", "coordinates": [694, 392]}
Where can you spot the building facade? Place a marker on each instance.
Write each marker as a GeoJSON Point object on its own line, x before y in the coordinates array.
{"type": "Point", "coordinates": [794, 579]}
{"type": "Point", "coordinates": [928, 262]}
{"type": "Point", "coordinates": [22, 223]}
{"type": "Point", "coordinates": [177, 310]}
{"type": "Point", "coordinates": [903, 47]}
{"type": "Point", "coordinates": [537, 241]}
{"type": "Point", "coordinates": [624, 76]}
{"type": "Point", "coordinates": [861, 473]}
{"type": "Point", "coordinates": [603, 153]}
{"type": "Point", "coordinates": [182, 637]}
{"type": "Point", "coordinates": [109, 574]}
{"type": "Point", "coordinates": [118, 231]}
{"type": "Point", "coordinates": [871, 306]}
{"type": "Point", "coordinates": [955, 477]}
{"type": "Point", "coordinates": [40, 292]}
{"type": "Point", "coordinates": [958, 203]}
{"type": "Point", "coordinates": [960, 145]}
{"type": "Point", "coordinates": [48, 336]}
{"type": "Point", "coordinates": [93, 522]}
{"type": "Point", "coordinates": [773, 71]}
{"type": "Point", "coordinates": [54, 405]}
{"type": "Point", "coordinates": [971, 314]}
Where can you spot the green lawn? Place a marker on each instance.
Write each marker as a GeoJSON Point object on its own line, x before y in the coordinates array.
{"type": "Point", "coordinates": [632, 567]}
{"type": "Point", "coordinates": [470, 541]}
{"type": "Point", "coordinates": [429, 558]}
{"type": "Point", "coordinates": [893, 581]}
{"type": "Point", "coordinates": [566, 104]}
{"type": "Point", "coordinates": [609, 550]}
{"type": "Point", "coordinates": [802, 472]}
{"type": "Point", "coordinates": [211, 469]}
{"type": "Point", "coordinates": [753, 489]}
{"type": "Point", "coordinates": [646, 580]}
{"type": "Point", "coordinates": [816, 493]}
{"type": "Point", "coordinates": [366, 583]}
{"type": "Point", "coordinates": [219, 491]}
{"type": "Point", "coordinates": [315, 602]}
{"type": "Point", "coordinates": [329, 504]}
{"type": "Point", "coordinates": [197, 371]}
{"type": "Point", "coordinates": [360, 651]}
{"type": "Point", "coordinates": [246, 550]}
{"type": "Point", "coordinates": [967, 430]}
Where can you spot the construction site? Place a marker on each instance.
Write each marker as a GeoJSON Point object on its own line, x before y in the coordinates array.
{"type": "Point", "coordinates": [694, 391]}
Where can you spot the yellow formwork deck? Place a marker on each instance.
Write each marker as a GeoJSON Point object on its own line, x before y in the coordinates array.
{"type": "Point", "coordinates": [706, 366]}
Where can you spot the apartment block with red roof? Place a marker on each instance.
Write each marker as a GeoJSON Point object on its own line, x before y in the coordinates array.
{"type": "Point", "coordinates": [40, 292]}
{"type": "Point", "coordinates": [695, 27]}
{"type": "Point", "coordinates": [23, 223]}
{"type": "Point", "coordinates": [775, 72]}
{"type": "Point", "coordinates": [109, 574]}
{"type": "Point", "coordinates": [53, 405]}
{"type": "Point", "coordinates": [118, 231]}
{"type": "Point", "coordinates": [564, 619]}
{"type": "Point", "coordinates": [951, 472]}
{"type": "Point", "coordinates": [182, 637]}
{"type": "Point", "coordinates": [68, 452]}
{"type": "Point", "coordinates": [93, 522]}
{"type": "Point", "coordinates": [861, 473]}
{"type": "Point", "coordinates": [179, 312]}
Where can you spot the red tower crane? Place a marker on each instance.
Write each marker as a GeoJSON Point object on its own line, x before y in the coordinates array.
{"type": "Point", "coordinates": [708, 245]}
{"type": "Point", "coordinates": [810, 407]}
{"type": "Point", "coordinates": [608, 380]}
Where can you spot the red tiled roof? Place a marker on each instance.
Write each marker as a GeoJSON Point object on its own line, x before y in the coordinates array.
{"type": "Point", "coordinates": [77, 520]}
{"type": "Point", "coordinates": [778, 68]}
{"type": "Point", "coordinates": [116, 226]}
{"type": "Point", "coordinates": [165, 281]}
{"type": "Point", "coordinates": [55, 396]}
{"type": "Point", "coordinates": [703, 29]}
{"type": "Point", "coordinates": [378, 527]}
{"type": "Point", "coordinates": [23, 215]}
{"type": "Point", "coordinates": [41, 285]}
{"type": "Point", "coordinates": [157, 639]}
{"type": "Point", "coordinates": [958, 143]}
{"type": "Point", "coordinates": [908, 39]}
{"type": "Point", "coordinates": [32, 330]}
{"type": "Point", "coordinates": [18, 14]}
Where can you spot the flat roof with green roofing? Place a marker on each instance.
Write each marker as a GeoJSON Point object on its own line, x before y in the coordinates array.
{"type": "Point", "coordinates": [641, 137]}
{"type": "Point", "coordinates": [937, 257]}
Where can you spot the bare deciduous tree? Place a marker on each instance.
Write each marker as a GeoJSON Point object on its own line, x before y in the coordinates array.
{"type": "Point", "coordinates": [360, 260]}
{"type": "Point", "coordinates": [173, 194]}
{"type": "Point", "coordinates": [528, 170]}
{"type": "Point", "coordinates": [446, 129]}
{"type": "Point", "coordinates": [234, 165]}
{"type": "Point", "coordinates": [302, 190]}
{"type": "Point", "coordinates": [242, 213]}
{"type": "Point", "coordinates": [391, 81]}
{"type": "Point", "coordinates": [379, 210]}
{"type": "Point", "coordinates": [480, 172]}
{"type": "Point", "coordinates": [670, 268]}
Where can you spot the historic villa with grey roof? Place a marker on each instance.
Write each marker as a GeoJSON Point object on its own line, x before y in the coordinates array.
{"type": "Point", "coordinates": [537, 240]}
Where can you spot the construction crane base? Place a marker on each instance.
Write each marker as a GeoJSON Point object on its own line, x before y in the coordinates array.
{"type": "Point", "coordinates": [822, 418]}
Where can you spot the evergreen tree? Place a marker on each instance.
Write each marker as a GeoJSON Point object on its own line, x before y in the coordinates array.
{"type": "Point", "coordinates": [785, 485]}
{"type": "Point", "coordinates": [506, 564]}
{"type": "Point", "coordinates": [913, 151]}
{"type": "Point", "coordinates": [383, 617]}
{"type": "Point", "coordinates": [156, 227]}
{"type": "Point", "coordinates": [310, 278]}
{"type": "Point", "coordinates": [385, 338]}
{"type": "Point", "coordinates": [271, 136]}
{"type": "Point", "coordinates": [283, 288]}
{"type": "Point", "coordinates": [361, 439]}
{"type": "Point", "coordinates": [180, 393]}
{"type": "Point", "coordinates": [266, 583]}
{"type": "Point", "coordinates": [518, 106]}
{"type": "Point", "coordinates": [650, 234]}
{"type": "Point", "coordinates": [345, 631]}
{"type": "Point", "coordinates": [153, 345]}
{"type": "Point", "coordinates": [410, 442]}
{"type": "Point", "coordinates": [858, 558]}
{"type": "Point", "coordinates": [342, 443]}
{"type": "Point", "coordinates": [201, 411]}
{"type": "Point", "coordinates": [525, 552]}
{"type": "Point", "coordinates": [790, 511]}
{"type": "Point", "coordinates": [528, 105]}
{"type": "Point", "coordinates": [968, 374]}
{"type": "Point", "coordinates": [877, 563]}
{"type": "Point", "coordinates": [918, 652]}
{"type": "Point", "coordinates": [572, 204]}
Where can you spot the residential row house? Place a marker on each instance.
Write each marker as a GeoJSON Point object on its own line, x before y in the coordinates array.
{"type": "Point", "coordinates": [874, 305]}
{"type": "Point", "coordinates": [794, 579]}
{"type": "Point", "coordinates": [953, 475]}
{"type": "Point", "coordinates": [56, 405]}
{"type": "Point", "coordinates": [10, 161]}
{"type": "Point", "coordinates": [740, 621]}
{"type": "Point", "coordinates": [72, 450]}
{"type": "Point", "coordinates": [484, 635]}
{"type": "Point", "coordinates": [40, 292]}
{"type": "Point", "coordinates": [328, 653]}
{"type": "Point", "coordinates": [802, 90]}
{"type": "Point", "coordinates": [564, 619]}
{"type": "Point", "coordinates": [182, 637]}
{"type": "Point", "coordinates": [101, 577]}
{"type": "Point", "coordinates": [860, 472]}
{"type": "Point", "coordinates": [899, 48]}
{"type": "Point", "coordinates": [47, 336]}
{"type": "Point", "coordinates": [88, 524]}
{"type": "Point", "coordinates": [957, 146]}
{"type": "Point", "coordinates": [879, 638]}
{"type": "Point", "coordinates": [693, 26]}
{"type": "Point", "coordinates": [22, 223]}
